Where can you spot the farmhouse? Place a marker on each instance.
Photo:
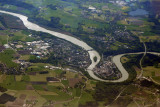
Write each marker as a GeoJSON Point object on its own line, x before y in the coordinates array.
{"type": "Point", "coordinates": [52, 79]}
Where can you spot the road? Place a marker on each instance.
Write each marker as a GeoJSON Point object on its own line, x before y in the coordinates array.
{"type": "Point", "coordinates": [92, 52]}
{"type": "Point", "coordinates": [144, 54]}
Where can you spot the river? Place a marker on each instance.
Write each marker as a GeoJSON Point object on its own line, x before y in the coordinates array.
{"type": "Point", "coordinates": [92, 53]}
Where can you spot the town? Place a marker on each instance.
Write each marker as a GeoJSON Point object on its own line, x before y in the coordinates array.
{"type": "Point", "coordinates": [63, 54]}
{"type": "Point", "coordinates": [40, 70]}
{"type": "Point", "coordinates": [107, 69]}
{"type": "Point", "coordinates": [41, 49]}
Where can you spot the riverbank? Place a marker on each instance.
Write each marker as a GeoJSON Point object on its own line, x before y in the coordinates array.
{"type": "Point", "coordinates": [92, 53]}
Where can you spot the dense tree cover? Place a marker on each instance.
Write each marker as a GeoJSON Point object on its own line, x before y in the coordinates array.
{"type": "Point", "coordinates": [146, 5]}
{"type": "Point", "coordinates": [106, 92]}
{"type": "Point", "coordinates": [78, 1]}
{"type": "Point", "coordinates": [80, 33]}
{"type": "Point", "coordinates": [134, 60]}
{"type": "Point", "coordinates": [153, 8]}
{"type": "Point", "coordinates": [151, 60]}
{"type": "Point", "coordinates": [89, 104]}
{"type": "Point", "coordinates": [2, 89]}
{"type": "Point", "coordinates": [121, 51]}
{"type": "Point", "coordinates": [53, 7]}
{"type": "Point", "coordinates": [85, 73]}
{"type": "Point", "coordinates": [18, 3]}
{"type": "Point", "coordinates": [153, 46]}
{"type": "Point", "coordinates": [3, 22]}
{"type": "Point", "coordinates": [53, 23]}
{"type": "Point", "coordinates": [10, 22]}
{"type": "Point", "coordinates": [156, 26]}
{"type": "Point", "coordinates": [22, 7]}
{"type": "Point", "coordinates": [4, 98]}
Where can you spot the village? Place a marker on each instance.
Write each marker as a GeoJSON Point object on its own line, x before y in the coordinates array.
{"type": "Point", "coordinates": [38, 69]}
{"type": "Point", "coordinates": [73, 56]}
{"type": "Point", "coordinates": [61, 50]}
{"type": "Point", "coordinates": [107, 69]}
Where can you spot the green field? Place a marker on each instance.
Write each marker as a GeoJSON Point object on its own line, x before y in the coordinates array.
{"type": "Point", "coordinates": [3, 39]}
{"type": "Point", "coordinates": [151, 71]}
{"type": "Point", "coordinates": [157, 79]}
{"type": "Point", "coordinates": [21, 36]}
{"type": "Point", "coordinates": [10, 83]}
{"type": "Point", "coordinates": [85, 98]}
{"type": "Point", "coordinates": [6, 57]}
{"type": "Point", "coordinates": [57, 92]}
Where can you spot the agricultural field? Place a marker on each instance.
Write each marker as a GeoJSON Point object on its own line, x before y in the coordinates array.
{"type": "Point", "coordinates": [41, 92]}
{"type": "Point", "coordinates": [124, 59]}
{"type": "Point", "coordinates": [6, 57]}
{"type": "Point", "coordinates": [37, 69]}
{"type": "Point", "coordinates": [3, 39]}
{"type": "Point", "coordinates": [72, 13]}
{"type": "Point", "coordinates": [151, 67]}
{"type": "Point", "coordinates": [153, 73]}
{"type": "Point", "coordinates": [149, 38]}
{"type": "Point", "coordinates": [21, 36]}
{"type": "Point", "coordinates": [88, 21]}
{"type": "Point", "coordinates": [8, 54]}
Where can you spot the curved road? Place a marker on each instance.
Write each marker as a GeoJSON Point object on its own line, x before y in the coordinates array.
{"type": "Point", "coordinates": [92, 53]}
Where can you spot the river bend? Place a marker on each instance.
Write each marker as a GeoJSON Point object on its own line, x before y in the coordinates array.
{"type": "Point", "coordinates": [92, 53]}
